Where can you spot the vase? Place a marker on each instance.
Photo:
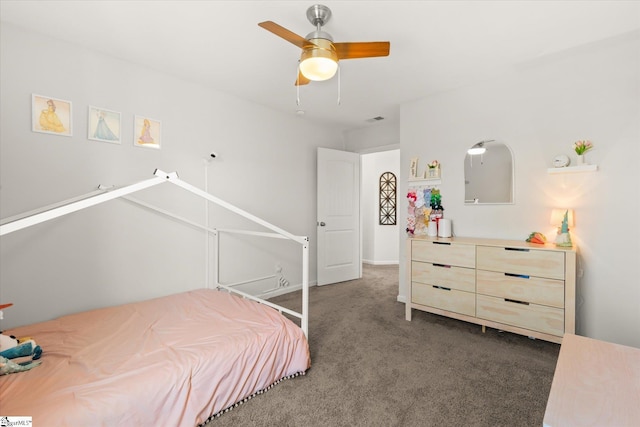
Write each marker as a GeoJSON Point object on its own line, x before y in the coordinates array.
{"type": "Point", "coordinates": [580, 160]}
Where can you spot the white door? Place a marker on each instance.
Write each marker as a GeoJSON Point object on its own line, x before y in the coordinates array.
{"type": "Point", "coordinates": [338, 221]}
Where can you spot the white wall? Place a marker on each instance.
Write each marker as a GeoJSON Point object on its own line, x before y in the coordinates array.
{"type": "Point", "coordinates": [118, 252]}
{"type": "Point", "coordinates": [373, 137]}
{"type": "Point", "coordinates": [539, 110]}
{"type": "Point", "coordinates": [380, 242]}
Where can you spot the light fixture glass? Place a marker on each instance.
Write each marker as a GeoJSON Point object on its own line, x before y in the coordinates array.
{"type": "Point", "coordinates": [318, 69]}
{"type": "Point", "coordinates": [478, 148]}
{"type": "Point", "coordinates": [320, 61]}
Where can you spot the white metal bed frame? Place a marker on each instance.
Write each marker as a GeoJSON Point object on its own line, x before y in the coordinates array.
{"type": "Point", "coordinates": [104, 194]}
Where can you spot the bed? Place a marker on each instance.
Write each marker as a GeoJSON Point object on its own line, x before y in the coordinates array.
{"type": "Point", "coordinates": [178, 360]}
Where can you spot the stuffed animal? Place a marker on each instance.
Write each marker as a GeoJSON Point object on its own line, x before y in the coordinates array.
{"type": "Point", "coordinates": [537, 237]}
{"type": "Point", "coordinates": [10, 367]}
{"type": "Point", "coordinates": [7, 341]}
{"type": "Point", "coordinates": [12, 348]}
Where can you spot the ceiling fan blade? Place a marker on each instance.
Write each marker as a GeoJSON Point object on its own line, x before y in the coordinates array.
{"type": "Point", "coordinates": [302, 80]}
{"type": "Point", "coordinates": [362, 49]}
{"type": "Point", "coordinates": [289, 36]}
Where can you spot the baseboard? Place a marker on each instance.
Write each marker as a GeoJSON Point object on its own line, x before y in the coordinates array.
{"type": "Point", "coordinates": [371, 262]}
{"type": "Point", "coordinates": [401, 298]}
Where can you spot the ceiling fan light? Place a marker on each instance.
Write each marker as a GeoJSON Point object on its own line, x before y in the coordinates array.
{"type": "Point", "coordinates": [318, 69]}
{"type": "Point", "coordinates": [319, 62]}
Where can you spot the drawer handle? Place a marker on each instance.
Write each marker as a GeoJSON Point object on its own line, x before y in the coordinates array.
{"type": "Point", "coordinates": [442, 287]}
{"type": "Point", "coordinates": [516, 301]}
{"type": "Point", "coordinates": [517, 249]}
{"type": "Point", "coordinates": [522, 276]}
{"type": "Point", "coordinates": [441, 243]}
{"type": "Point", "coordinates": [442, 265]}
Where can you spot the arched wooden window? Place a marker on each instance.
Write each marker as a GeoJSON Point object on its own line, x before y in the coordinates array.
{"type": "Point", "coordinates": [388, 199]}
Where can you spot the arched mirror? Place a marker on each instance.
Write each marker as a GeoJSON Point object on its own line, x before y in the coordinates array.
{"type": "Point", "coordinates": [488, 174]}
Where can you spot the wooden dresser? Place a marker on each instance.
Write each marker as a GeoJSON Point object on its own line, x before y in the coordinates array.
{"type": "Point", "coordinates": [514, 286]}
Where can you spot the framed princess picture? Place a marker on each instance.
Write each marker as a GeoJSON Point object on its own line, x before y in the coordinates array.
{"type": "Point", "coordinates": [104, 125]}
{"type": "Point", "coordinates": [50, 115]}
{"type": "Point", "coordinates": [146, 132]}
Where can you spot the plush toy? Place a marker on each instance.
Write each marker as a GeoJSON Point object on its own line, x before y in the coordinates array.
{"type": "Point", "coordinates": [537, 237]}
{"type": "Point", "coordinates": [13, 348]}
{"type": "Point", "coordinates": [7, 341]}
{"type": "Point", "coordinates": [10, 367]}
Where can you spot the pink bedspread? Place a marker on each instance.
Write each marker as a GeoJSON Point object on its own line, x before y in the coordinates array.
{"type": "Point", "coordinates": [171, 361]}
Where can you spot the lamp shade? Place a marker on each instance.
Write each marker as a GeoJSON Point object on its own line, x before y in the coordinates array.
{"type": "Point", "coordinates": [557, 216]}
{"type": "Point", "coordinates": [320, 61]}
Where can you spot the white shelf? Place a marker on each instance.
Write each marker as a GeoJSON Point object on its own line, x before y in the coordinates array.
{"type": "Point", "coordinates": [574, 169]}
{"type": "Point", "coordinates": [425, 181]}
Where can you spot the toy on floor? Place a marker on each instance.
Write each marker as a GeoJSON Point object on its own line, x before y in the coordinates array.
{"type": "Point", "coordinates": [14, 348]}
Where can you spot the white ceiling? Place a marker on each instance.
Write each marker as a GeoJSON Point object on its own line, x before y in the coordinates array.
{"type": "Point", "coordinates": [435, 45]}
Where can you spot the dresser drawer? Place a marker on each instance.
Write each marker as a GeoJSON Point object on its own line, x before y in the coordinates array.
{"type": "Point", "coordinates": [532, 262]}
{"type": "Point", "coordinates": [444, 253]}
{"type": "Point", "coordinates": [460, 278]}
{"type": "Point", "coordinates": [534, 317]}
{"type": "Point", "coordinates": [521, 288]}
{"type": "Point", "coordinates": [444, 299]}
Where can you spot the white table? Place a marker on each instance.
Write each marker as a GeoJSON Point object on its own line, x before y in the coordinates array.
{"type": "Point", "coordinates": [596, 383]}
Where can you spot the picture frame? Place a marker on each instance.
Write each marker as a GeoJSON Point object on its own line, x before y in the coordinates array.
{"type": "Point", "coordinates": [51, 115]}
{"type": "Point", "coordinates": [147, 132]}
{"type": "Point", "coordinates": [104, 125]}
{"type": "Point", "coordinates": [413, 169]}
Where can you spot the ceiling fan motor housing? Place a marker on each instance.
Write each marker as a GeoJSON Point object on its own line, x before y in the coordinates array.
{"type": "Point", "coordinates": [319, 35]}
{"type": "Point", "coordinates": [318, 15]}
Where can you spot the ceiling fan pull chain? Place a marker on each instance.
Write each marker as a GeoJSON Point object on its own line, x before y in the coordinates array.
{"type": "Point", "coordinates": [338, 84]}
{"type": "Point", "coordinates": [298, 84]}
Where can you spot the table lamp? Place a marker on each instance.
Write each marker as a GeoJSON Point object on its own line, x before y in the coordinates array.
{"type": "Point", "coordinates": [564, 217]}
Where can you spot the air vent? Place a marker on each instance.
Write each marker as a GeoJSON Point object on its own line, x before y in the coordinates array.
{"type": "Point", "coordinates": [374, 119]}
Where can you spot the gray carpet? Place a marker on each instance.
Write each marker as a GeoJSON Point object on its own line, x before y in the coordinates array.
{"type": "Point", "coordinates": [370, 367]}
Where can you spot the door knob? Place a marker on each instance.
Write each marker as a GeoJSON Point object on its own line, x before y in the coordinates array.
{"type": "Point", "coordinates": [321, 224]}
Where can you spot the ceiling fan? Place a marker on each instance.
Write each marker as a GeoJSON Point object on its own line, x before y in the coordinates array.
{"type": "Point", "coordinates": [320, 55]}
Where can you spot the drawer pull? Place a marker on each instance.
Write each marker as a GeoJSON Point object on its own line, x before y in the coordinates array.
{"type": "Point", "coordinates": [517, 249]}
{"type": "Point", "coordinates": [442, 287]}
{"type": "Point", "coordinates": [522, 276]}
{"type": "Point", "coordinates": [441, 243]}
{"type": "Point", "coordinates": [516, 301]}
{"type": "Point", "coordinates": [442, 265]}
